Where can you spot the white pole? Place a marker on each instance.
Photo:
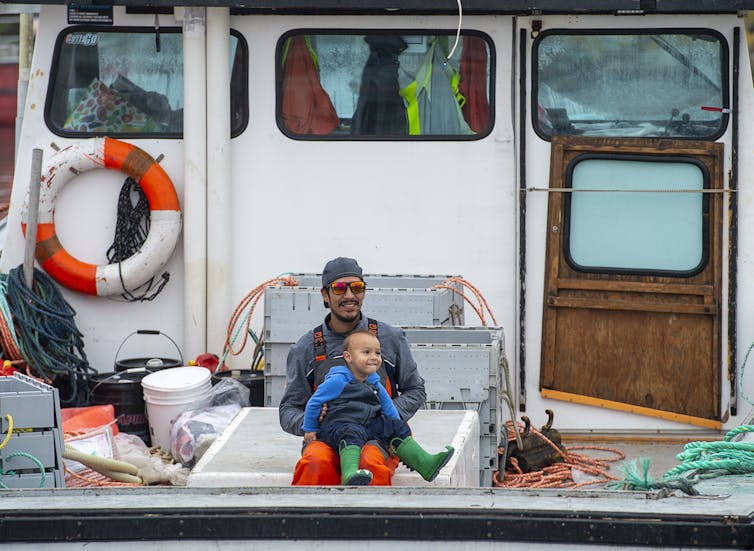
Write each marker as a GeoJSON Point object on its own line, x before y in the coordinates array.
{"type": "Point", "coordinates": [25, 41]}
{"type": "Point", "coordinates": [219, 307]}
{"type": "Point", "coordinates": [195, 182]}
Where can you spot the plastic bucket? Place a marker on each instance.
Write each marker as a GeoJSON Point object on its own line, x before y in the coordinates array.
{"type": "Point", "coordinates": [170, 392]}
{"type": "Point", "coordinates": [123, 391]}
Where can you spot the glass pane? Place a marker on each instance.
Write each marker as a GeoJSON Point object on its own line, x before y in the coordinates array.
{"type": "Point", "coordinates": [120, 83]}
{"type": "Point", "coordinates": [381, 85]}
{"type": "Point", "coordinates": [655, 85]}
{"type": "Point", "coordinates": [629, 230]}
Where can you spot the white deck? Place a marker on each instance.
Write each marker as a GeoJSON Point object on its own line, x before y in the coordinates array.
{"type": "Point", "coordinates": [254, 451]}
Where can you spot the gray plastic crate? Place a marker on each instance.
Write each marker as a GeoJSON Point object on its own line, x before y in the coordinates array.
{"type": "Point", "coordinates": [289, 312]}
{"type": "Point", "coordinates": [34, 408]}
{"type": "Point", "coordinates": [462, 369]}
{"type": "Point", "coordinates": [274, 386]}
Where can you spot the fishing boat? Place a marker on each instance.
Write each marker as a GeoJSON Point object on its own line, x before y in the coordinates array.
{"type": "Point", "coordinates": [583, 166]}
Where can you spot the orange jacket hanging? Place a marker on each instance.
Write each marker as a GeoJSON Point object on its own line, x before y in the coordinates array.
{"type": "Point", "coordinates": [306, 107]}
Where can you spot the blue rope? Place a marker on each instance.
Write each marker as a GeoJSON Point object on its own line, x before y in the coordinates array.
{"type": "Point", "coordinates": [48, 337]}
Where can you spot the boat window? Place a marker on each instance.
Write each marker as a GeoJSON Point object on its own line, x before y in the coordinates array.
{"type": "Point", "coordinates": [129, 82]}
{"type": "Point", "coordinates": [636, 215]}
{"type": "Point", "coordinates": [376, 85]}
{"type": "Point", "coordinates": [669, 84]}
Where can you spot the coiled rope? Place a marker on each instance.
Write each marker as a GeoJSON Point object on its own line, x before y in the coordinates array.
{"type": "Point", "coordinates": [49, 340]}
{"type": "Point", "coordinates": [699, 461]}
{"type": "Point", "coordinates": [131, 230]}
{"type": "Point", "coordinates": [560, 474]}
{"type": "Point", "coordinates": [481, 305]}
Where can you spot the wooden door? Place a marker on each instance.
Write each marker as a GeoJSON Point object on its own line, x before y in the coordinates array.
{"type": "Point", "coordinates": [640, 336]}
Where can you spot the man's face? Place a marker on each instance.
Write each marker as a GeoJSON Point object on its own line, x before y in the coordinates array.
{"type": "Point", "coordinates": [345, 307]}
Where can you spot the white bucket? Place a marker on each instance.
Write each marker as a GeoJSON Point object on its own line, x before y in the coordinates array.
{"type": "Point", "coordinates": [170, 392]}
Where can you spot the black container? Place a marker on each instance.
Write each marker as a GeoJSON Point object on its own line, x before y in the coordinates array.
{"type": "Point", "coordinates": [253, 380]}
{"type": "Point", "coordinates": [151, 363]}
{"type": "Point", "coordinates": [124, 392]}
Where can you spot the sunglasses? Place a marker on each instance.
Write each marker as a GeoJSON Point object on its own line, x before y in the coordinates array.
{"type": "Point", "coordinates": [340, 287]}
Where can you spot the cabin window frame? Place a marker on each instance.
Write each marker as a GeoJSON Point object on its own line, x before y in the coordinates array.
{"type": "Point", "coordinates": [347, 137]}
{"type": "Point", "coordinates": [724, 66]}
{"type": "Point", "coordinates": [705, 215]}
{"type": "Point", "coordinates": [239, 100]}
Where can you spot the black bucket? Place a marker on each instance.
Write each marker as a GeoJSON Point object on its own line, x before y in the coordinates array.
{"type": "Point", "coordinates": [124, 392]}
{"type": "Point", "coordinates": [253, 380]}
{"type": "Point", "coordinates": [150, 363]}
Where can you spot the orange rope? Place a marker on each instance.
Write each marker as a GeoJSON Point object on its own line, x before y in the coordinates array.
{"type": "Point", "coordinates": [89, 478]}
{"type": "Point", "coordinates": [481, 301]}
{"type": "Point", "coordinates": [557, 475]}
{"type": "Point", "coordinates": [250, 299]}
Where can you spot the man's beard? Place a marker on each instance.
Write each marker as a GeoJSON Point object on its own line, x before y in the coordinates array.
{"type": "Point", "coordinates": [344, 319]}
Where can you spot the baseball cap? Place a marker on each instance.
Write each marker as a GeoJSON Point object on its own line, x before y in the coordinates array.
{"type": "Point", "coordinates": [340, 267]}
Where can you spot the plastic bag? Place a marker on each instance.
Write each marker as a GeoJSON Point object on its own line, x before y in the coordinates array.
{"type": "Point", "coordinates": [194, 431]}
{"type": "Point", "coordinates": [152, 469]}
{"type": "Point", "coordinates": [227, 391]}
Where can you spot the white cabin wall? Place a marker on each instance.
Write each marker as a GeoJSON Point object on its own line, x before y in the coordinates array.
{"type": "Point", "coordinates": [85, 219]}
{"type": "Point", "coordinates": [399, 207]}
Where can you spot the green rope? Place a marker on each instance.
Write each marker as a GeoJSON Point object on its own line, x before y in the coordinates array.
{"type": "Point", "coordinates": [699, 461]}
{"type": "Point", "coordinates": [13, 473]}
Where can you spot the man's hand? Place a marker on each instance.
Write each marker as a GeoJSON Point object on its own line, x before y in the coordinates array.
{"type": "Point", "coordinates": [309, 437]}
{"type": "Point", "coordinates": [322, 413]}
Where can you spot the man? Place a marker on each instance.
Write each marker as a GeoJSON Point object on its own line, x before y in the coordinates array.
{"type": "Point", "coordinates": [343, 291]}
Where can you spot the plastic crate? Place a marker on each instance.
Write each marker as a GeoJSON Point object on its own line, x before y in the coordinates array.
{"type": "Point", "coordinates": [274, 387]}
{"type": "Point", "coordinates": [34, 409]}
{"type": "Point", "coordinates": [289, 312]}
{"type": "Point", "coordinates": [462, 369]}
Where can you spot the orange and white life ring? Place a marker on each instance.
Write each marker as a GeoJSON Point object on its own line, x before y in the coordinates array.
{"type": "Point", "coordinates": [164, 228]}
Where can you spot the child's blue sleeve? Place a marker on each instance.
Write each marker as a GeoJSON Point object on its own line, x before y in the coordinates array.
{"type": "Point", "coordinates": [330, 388]}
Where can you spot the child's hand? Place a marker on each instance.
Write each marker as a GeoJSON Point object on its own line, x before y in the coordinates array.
{"type": "Point", "coordinates": [309, 437]}
{"type": "Point", "coordinates": [322, 413]}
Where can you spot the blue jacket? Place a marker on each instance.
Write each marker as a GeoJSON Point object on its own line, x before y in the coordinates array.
{"type": "Point", "coordinates": [348, 400]}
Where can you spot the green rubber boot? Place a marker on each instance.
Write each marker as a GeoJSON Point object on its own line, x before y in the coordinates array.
{"type": "Point", "coordinates": [350, 474]}
{"type": "Point", "coordinates": [415, 457]}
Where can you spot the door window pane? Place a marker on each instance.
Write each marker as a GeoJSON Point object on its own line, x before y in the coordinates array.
{"type": "Point", "coordinates": [655, 85]}
{"type": "Point", "coordinates": [377, 85]}
{"type": "Point", "coordinates": [643, 228]}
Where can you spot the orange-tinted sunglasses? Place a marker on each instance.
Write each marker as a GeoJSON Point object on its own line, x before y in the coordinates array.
{"type": "Point", "coordinates": [339, 287]}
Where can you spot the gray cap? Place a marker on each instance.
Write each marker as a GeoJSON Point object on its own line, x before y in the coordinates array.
{"type": "Point", "coordinates": [340, 267]}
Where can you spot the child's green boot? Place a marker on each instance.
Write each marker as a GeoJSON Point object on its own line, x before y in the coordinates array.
{"type": "Point", "coordinates": [415, 457]}
{"type": "Point", "coordinates": [350, 474]}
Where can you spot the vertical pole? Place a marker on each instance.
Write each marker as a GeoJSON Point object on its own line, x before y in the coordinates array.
{"type": "Point", "coordinates": [33, 215]}
{"type": "Point", "coordinates": [219, 190]}
{"type": "Point", "coordinates": [195, 182]}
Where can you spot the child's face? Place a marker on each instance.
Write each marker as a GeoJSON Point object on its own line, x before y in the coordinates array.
{"type": "Point", "coordinates": [363, 355]}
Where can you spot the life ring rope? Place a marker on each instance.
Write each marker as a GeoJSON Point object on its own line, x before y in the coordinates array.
{"type": "Point", "coordinates": [165, 218]}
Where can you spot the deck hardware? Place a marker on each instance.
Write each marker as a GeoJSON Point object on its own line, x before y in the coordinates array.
{"type": "Point", "coordinates": [536, 27]}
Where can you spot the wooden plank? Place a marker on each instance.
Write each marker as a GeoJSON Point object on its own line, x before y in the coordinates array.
{"type": "Point", "coordinates": [638, 410]}
{"type": "Point", "coordinates": [637, 306]}
{"type": "Point", "coordinates": [635, 286]}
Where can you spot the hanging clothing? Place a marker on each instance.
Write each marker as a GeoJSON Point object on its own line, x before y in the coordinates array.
{"type": "Point", "coordinates": [473, 84]}
{"type": "Point", "coordinates": [380, 109]}
{"type": "Point", "coordinates": [433, 98]}
{"type": "Point", "coordinates": [306, 106]}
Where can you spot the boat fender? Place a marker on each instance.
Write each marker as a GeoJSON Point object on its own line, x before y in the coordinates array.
{"type": "Point", "coordinates": [165, 218]}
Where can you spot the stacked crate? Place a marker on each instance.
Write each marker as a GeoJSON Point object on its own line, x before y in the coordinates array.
{"type": "Point", "coordinates": [289, 312]}
{"type": "Point", "coordinates": [31, 455]}
{"type": "Point", "coordinates": [463, 369]}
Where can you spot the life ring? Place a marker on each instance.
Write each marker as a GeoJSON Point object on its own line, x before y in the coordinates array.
{"type": "Point", "coordinates": [164, 228]}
